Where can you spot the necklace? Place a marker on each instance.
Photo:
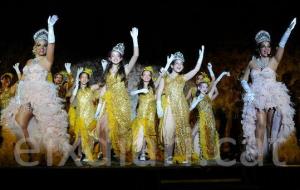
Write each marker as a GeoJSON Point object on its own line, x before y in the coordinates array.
{"type": "Point", "coordinates": [262, 63]}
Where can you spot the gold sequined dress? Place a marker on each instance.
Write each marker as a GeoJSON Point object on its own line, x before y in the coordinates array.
{"type": "Point", "coordinates": [208, 138]}
{"type": "Point", "coordinates": [118, 109]}
{"type": "Point", "coordinates": [174, 101]}
{"type": "Point", "coordinates": [85, 121]}
{"type": "Point", "coordinates": [143, 127]}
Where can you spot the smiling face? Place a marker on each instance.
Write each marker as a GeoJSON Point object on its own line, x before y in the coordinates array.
{"type": "Point", "coordinates": [264, 49]}
{"type": "Point", "coordinates": [203, 87]}
{"type": "Point", "coordinates": [177, 66]}
{"type": "Point", "coordinates": [146, 76]}
{"type": "Point", "coordinates": [115, 57]}
{"type": "Point", "coordinates": [40, 48]}
{"type": "Point", "coordinates": [84, 78]}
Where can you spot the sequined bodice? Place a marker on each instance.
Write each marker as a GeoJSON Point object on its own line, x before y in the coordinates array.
{"type": "Point", "coordinates": [262, 76]}
{"type": "Point", "coordinates": [174, 88]}
{"type": "Point", "coordinates": [35, 71]}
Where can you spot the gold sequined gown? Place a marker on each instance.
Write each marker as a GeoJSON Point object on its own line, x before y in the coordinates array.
{"type": "Point", "coordinates": [174, 101]}
{"type": "Point", "coordinates": [206, 141]}
{"type": "Point", "coordinates": [118, 110]}
{"type": "Point", "coordinates": [143, 127]}
{"type": "Point", "coordinates": [84, 120]}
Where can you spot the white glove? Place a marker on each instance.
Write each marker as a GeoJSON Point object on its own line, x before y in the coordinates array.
{"type": "Point", "coordinates": [79, 70]}
{"type": "Point", "coordinates": [159, 109]}
{"type": "Point", "coordinates": [100, 108]}
{"type": "Point", "coordinates": [196, 101]}
{"type": "Point", "coordinates": [201, 53]}
{"type": "Point", "coordinates": [169, 61]}
{"type": "Point", "coordinates": [77, 81]}
{"type": "Point", "coordinates": [16, 67]}
{"type": "Point", "coordinates": [75, 89]}
{"type": "Point", "coordinates": [223, 74]}
{"type": "Point", "coordinates": [104, 64]}
{"type": "Point", "coordinates": [134, 34]}
{"type": "Point", "coordinates": [51, 21]}
{"type": "Point", "coordinates": [144, 91]}
{"type": "Point", "coordinates": [68, 67]}
{"type": "Point", "coordinates": [211, 73]}
{"type": "Point", "coordinates": [249, 97]}
{"type": "Point", "coordinates": [287, 33]}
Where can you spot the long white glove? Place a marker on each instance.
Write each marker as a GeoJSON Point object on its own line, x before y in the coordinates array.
{"type": "Point", "coordinates": [104, 64]}
{"type": "Point", "coordinates": [51, 21]}
{"type": "Point", "coordinates": [134, 34]}
{"type": "Point", "coordinates": [287, 33]}
{"type": "Point", "coordinates": [221, 76]}
{"type": "Point", "coordinates": [16, 68]}
{"type": "Point", "coordinates": [68, 67]}
{"type": "Point", "coordinates": [77, 81]}
{"type": "Point", "coordinates": [211, 73]}
{"type": "Point", "coordinates": [201, 54]}
{"type": "Point", "coordinates": [196, 101]}
{"type": "Point", "coordinates": [144, 91]}
{"type": "Point", "coordinates": [249, 97]}
{"type": "Point", "coordinates": [159, 109]}
{"type": "Point", "coordinates": [100, 109]}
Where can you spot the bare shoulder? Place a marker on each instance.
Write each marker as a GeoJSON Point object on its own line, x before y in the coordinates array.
{"type": "Point", "coordinates": [29, 62]}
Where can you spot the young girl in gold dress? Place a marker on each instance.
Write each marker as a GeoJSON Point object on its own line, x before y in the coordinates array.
{"type": "Point", "coordinates": [83, 100]}
{"type": "Point", "coordinates": [114, 123]}
{"type": "Point", "coordinates": [174, 113]}
{"type": "Point", "coordinates": [205, 135]}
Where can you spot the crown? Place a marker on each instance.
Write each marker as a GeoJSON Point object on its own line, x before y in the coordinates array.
{"type": "Point", "coordinates": [262, 36]}
{"type": "Point", "coordinates": [119, 48]}
{"type": "Point", "coordinates": [205, 78]}
{"type": "Point", "coordinates": [178, 55]}
{"type": "Point", "coordinates": [42, 34]}
{"type": "Point", "coordinates": [203, 74]}
{"type": "Point", "coordinates": [149, 68]}
{"type": "Point", "coordinates": [88, 71]}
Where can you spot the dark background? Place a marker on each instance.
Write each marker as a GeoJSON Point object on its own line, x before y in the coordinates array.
{"type": "Point", "coordinates": [89, 29]}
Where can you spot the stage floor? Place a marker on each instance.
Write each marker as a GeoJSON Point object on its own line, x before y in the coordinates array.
{"type": "Point", "coordinates": [159, 177]}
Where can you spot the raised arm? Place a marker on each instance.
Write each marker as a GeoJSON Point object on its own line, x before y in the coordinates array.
{"type": "Point", "coordinates": [134, 35]}
{"type": "Point", "coordinates": [193, 72]}
{"type": "Point", "coordinates": [211, 72]}
{"type": "Point", "coordinates": [70, 81]}
{"type": "Point", "coordinates": [163, 71]}
{"type": "Point", "coordinates": [16, 68]}
{"type": "Point", "coordinates": [214, 86]}
{"type": "Point", "coordinates": [284, 38]}
{"type": "Point", "coordinates": [51, 41]}
{"type": "Point", "coordinates": [74, 93]}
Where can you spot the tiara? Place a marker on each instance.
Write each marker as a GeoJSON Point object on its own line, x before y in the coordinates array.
{"type": "Point", "coordinates": [88, 71]}
{"type": "Point", "coordinates": [42, 34]}
{"type": "Point", "coordinates": [262, 36]}
{"type": "Point", "coordinates": [178, 55]}
{"type": "Point", "coordinates": [149, 68]}
{"type": "Point", "coordinates": [119, 48]}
